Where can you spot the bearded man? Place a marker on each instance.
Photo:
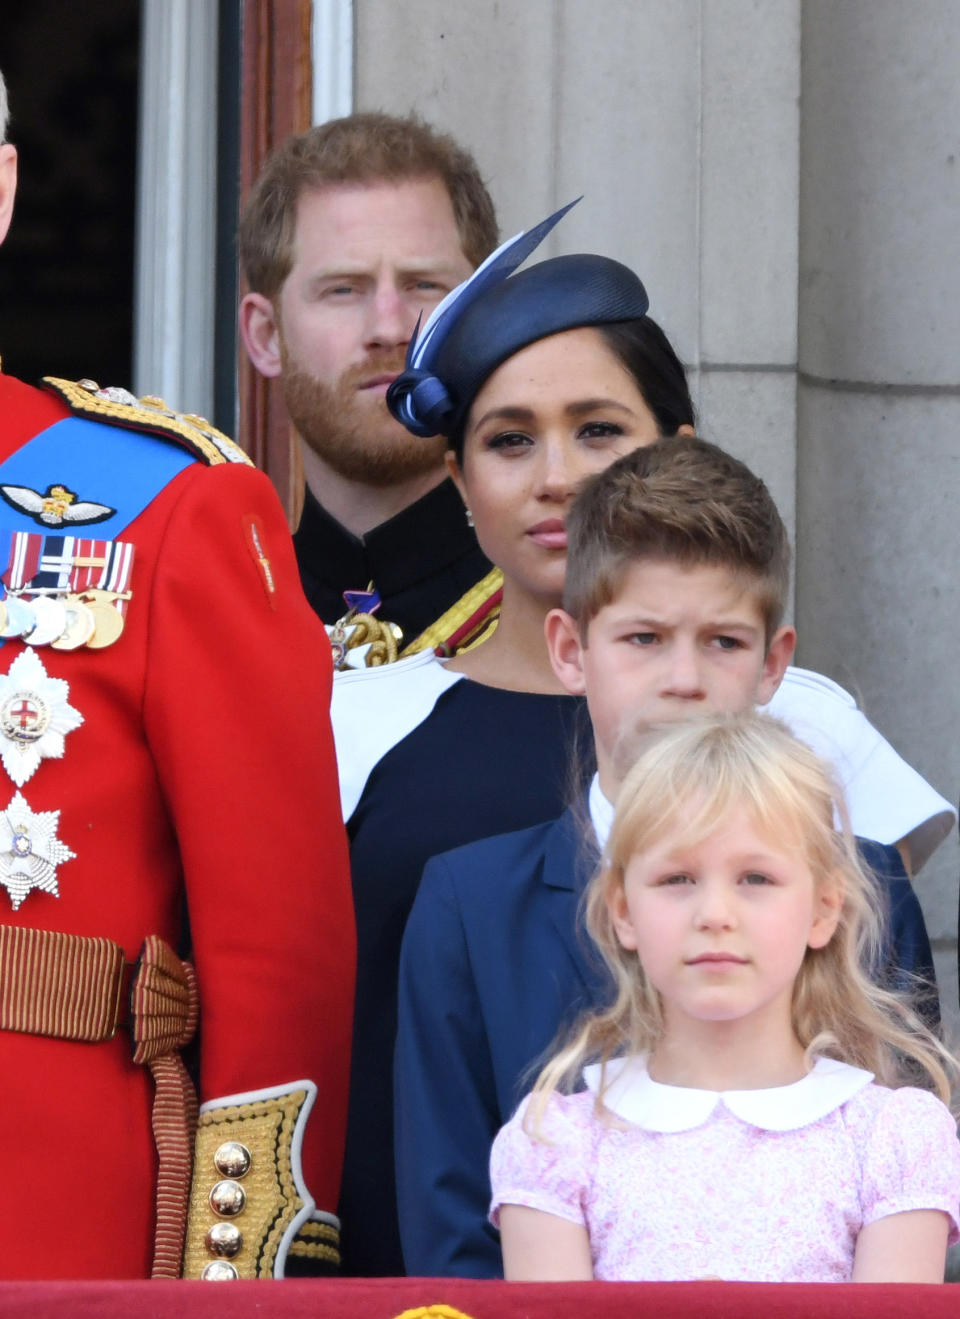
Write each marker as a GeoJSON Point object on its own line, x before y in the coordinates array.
{"type": "Point", "coordinates": [354, 230]}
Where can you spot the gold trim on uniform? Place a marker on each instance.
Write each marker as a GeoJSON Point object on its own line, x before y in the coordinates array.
{"type": "Point", "coordinates": [319, 1241]}
{"type": "Point", "coordinates": [264, 1128]}
{"type": "Point", "coordinates": [87, 399]}
{"type": "Point", "coordinates": [458, 613]}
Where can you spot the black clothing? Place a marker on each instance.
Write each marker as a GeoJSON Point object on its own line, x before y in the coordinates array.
{"type": "Point", "coordinates": [484, 761]}
{"type": "Point", "coordinates": [421, 561]}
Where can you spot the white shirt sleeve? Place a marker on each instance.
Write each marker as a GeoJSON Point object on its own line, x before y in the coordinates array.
{"type": "Point", "coordinates": [887, 798]}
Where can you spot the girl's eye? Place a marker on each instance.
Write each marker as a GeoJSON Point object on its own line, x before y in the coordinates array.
{"type": "Point", "coordinates": [675, 881]}
{"type": "Point", "coordinates": [756, 878]}
{"type": "Point", "coordinates": [509, 440]}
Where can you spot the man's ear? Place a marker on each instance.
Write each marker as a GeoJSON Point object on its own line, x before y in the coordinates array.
{"type": "Point", "coordinates": [260, 331]}
{"type": "Point", "coordinates": [8, 186]}
{"type": "Point", "coordinates": [566, 652]}
{"type": "Point", "coordinates": [779, 654]}
{"type": "Point", "coordinates": [827, 908]}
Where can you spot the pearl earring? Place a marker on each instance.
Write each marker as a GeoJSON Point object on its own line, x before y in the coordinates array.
{"type": "Point", "coordinates": [469, 518]}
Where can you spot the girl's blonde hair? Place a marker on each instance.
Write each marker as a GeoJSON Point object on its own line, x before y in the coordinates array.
{"type": "Point", "coordinates": [689, 777]}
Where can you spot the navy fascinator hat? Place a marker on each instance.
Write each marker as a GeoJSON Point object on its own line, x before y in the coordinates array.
{"type": "Point", "coordinates": [493, 315]}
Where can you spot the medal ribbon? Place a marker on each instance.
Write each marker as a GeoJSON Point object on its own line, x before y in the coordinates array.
{"type": "Point", "coordinates": [57, 565]}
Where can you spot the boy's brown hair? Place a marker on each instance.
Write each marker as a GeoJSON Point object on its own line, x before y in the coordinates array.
{"type": "Point", "coordinates": [361, 148]}
{"type": "Point", "coordinates": [683, 500]}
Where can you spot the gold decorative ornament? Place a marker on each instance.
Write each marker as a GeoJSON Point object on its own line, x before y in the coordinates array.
{"type": "Point", "coordinates": [433, 1312]}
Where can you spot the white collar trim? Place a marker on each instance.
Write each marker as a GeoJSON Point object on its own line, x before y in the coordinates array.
{"type": "Point", "coordinates": [643, 1102]}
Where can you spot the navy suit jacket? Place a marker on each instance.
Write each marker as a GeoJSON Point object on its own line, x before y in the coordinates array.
{"type": "Point", "coordinates": [495, 964]}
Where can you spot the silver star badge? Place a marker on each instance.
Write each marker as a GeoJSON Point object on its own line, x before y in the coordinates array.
{"type": "Point", "coordinates": [34, 716]}
{"type": "Point", "coordinates": [30, 850]}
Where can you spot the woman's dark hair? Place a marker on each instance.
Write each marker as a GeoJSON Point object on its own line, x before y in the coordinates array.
{"type": "Point", "coordinates": [648, 355]}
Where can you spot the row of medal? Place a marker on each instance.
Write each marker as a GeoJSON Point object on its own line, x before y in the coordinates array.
{"type": "Point", "coordinates": [64, 622]}
{"type": "Point", "coordinates": [63, 591]}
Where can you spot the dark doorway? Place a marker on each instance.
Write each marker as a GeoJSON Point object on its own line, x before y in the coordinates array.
{"type": "Point", "coordinates": [66, 269]}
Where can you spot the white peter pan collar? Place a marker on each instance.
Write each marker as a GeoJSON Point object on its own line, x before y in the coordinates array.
{"type": "Point", "coordinates": [643, 1102]}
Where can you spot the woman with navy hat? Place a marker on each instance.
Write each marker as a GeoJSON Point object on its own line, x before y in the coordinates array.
{"type": "Point", "coordinates": [538, 379]}
{"type": "Point", "coordinates": [434, 754]}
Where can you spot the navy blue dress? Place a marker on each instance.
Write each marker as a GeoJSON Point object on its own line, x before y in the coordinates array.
{"type": "Point", "coordinates": [485, 761]}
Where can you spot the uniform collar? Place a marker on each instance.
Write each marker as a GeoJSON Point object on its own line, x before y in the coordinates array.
{"type": "Point", "coordinates": [426, 536]}
{"type": "Point", "coordinates": [646, 1103]}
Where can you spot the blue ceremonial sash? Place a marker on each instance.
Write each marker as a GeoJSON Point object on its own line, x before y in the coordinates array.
{"type": "Point", "coordinates": [125, 469]}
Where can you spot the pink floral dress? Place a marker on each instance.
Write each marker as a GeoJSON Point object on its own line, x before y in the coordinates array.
{"type": "Point", "coordinates": [753, 1185]}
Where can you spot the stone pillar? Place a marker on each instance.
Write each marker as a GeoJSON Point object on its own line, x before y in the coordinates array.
{"type": "Point", "coordinates": [878, 602]}
{"type": "Point", "coordinates": [678, 122]}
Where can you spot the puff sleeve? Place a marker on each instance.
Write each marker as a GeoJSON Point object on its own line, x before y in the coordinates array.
{"type": "Point", "coordinates": [549, 1170]}
{"type": "Point", "coordinates": [911, 1159]}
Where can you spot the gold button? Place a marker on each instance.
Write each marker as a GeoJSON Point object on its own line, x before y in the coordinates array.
{"type": "Point", "coordinates": [225, 1240]}
{"type": "Point", "coordinates": [228, 1199]}
{"type": "Point", "coordinates": [232, 1159]}
{"type": "Point", "coordinates": [90, 386]}
{"type": "Point", "coordinates": [219, 1270]}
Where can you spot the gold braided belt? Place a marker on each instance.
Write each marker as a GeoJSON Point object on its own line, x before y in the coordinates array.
{"type": "Point", "coordinates": [70, 987]}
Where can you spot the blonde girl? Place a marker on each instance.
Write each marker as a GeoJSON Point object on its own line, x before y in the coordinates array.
{"type": "Point", "coordinates": [755, 1107]}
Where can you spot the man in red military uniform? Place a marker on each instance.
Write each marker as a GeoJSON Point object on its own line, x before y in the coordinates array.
{"type": "Point", "coordinates": [167, 780]}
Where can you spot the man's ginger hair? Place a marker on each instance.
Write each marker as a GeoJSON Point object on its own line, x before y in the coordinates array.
{"type": "Point", "coordinates": [682, 500]}
{"type": "Point", "coordinates": [359, 149]}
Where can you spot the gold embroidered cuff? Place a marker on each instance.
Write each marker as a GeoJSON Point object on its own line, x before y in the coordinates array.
{"type": "Point", "coordinates": [248, 1201]}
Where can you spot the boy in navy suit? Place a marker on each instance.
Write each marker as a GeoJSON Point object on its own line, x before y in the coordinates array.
{"type": "Point", "coordinates": [677, 576]}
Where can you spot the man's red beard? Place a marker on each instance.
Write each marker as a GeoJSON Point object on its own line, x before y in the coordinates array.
{"type": "Point", "coordinates": [353, 432]}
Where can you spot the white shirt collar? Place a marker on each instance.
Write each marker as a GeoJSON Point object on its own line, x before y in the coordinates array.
{"type": "Point", "coordinates": [643, 1102]}
{"type": "Point", "coordinates": [601, 812]}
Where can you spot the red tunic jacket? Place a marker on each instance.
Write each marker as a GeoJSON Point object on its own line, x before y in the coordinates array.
{"type": "Point", "coordinates": [202, 780]}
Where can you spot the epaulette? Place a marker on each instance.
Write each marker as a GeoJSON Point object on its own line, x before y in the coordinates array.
{"type": "Point", "coordinates": [86, 399]}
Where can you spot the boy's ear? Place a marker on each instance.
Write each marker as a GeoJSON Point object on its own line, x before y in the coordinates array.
{"type": "Point", "coordinates": [566, 652]}
{"type": "Point", "coordinates": [827, 906]}
{"type": "Point", "coordinates": [779, 654]}
{"type": "Point", "coordinates": [260, 332]}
